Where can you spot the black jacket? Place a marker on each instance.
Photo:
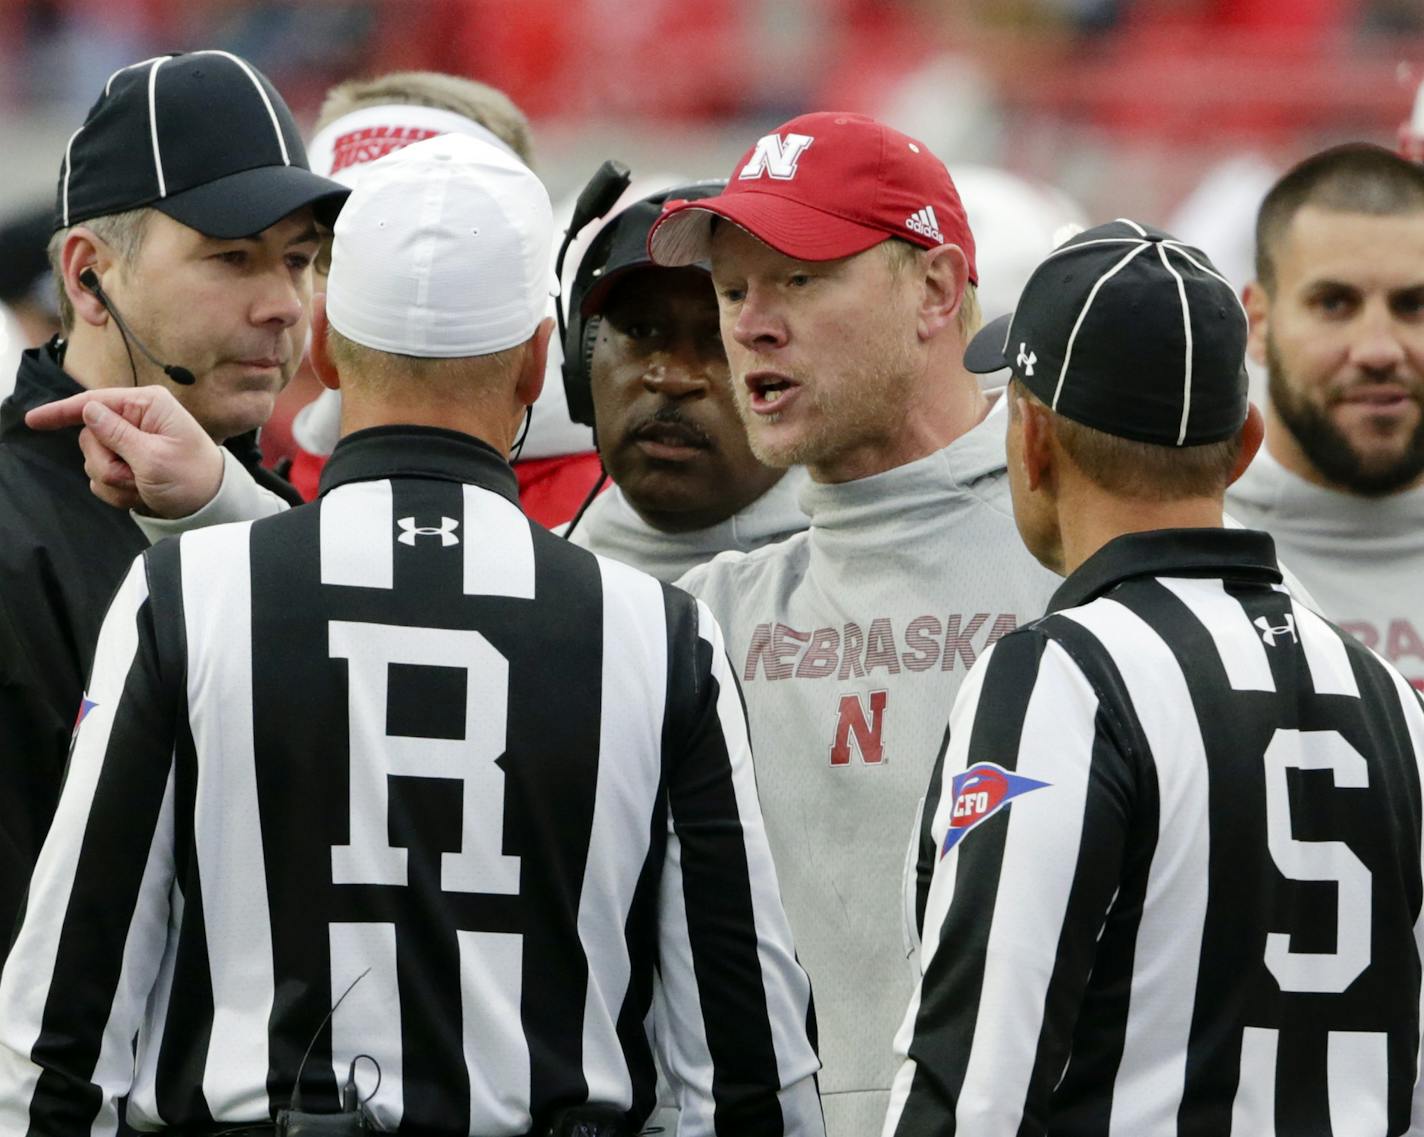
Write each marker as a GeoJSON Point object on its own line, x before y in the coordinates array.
{"type": "Point", "coordinates": [63, 552]}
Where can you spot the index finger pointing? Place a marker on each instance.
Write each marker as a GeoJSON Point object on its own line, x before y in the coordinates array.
{"type": "Point", "coordinates": [70, 411]}
{"type": "Point", "coordinates": [52, 416]}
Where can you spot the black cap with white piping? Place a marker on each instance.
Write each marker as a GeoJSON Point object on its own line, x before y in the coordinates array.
{"type": "Point", "coordinates": [1129, 331]}
{"type": "Point", "coordinates": [204, 137]}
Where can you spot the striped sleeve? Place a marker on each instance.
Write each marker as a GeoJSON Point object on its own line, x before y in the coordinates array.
{"type": "Point", "coordinates": [87, 952]}
{"type": "Point", "coordinates": [1412, 707]}
{"type": "Point", "coordinates": [737, 1001]}
{"type": "Point", "coordinates": [921, 857]}
{"type": "Point", "coordinates": [1029, 833]}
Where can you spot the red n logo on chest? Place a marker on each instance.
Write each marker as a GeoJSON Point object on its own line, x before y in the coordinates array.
{"type": "Point", "coordinates": [867, 731]}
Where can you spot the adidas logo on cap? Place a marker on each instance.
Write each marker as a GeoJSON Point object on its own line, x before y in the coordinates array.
{"type": "Point", "coordinates": [925, 223]}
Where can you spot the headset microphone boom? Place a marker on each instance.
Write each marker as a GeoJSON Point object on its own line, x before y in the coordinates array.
{"type": "Point", "coordinates": [90, 280]}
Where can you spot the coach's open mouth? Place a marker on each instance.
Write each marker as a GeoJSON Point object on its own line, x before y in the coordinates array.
{"type": "Point", "coordinates": [771, 391]}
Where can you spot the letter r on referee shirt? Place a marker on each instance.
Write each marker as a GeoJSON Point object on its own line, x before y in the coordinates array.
{"type": "Point", "coordinates": [369, 858]}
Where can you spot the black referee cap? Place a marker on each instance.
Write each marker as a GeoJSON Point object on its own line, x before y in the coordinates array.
{"type": "Point", "coordinates": [1129, 331]}
{"type": "Point", "coordinates": [204, 137]}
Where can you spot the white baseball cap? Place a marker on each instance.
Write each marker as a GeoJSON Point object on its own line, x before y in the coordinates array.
{"type": "Point", "coordinates": [443, 250]}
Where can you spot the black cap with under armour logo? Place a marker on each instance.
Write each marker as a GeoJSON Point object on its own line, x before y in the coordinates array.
{"type": "Point", "coordinates": [204, 137]}
{"type": "Point", "coordinates": [1127, 330]}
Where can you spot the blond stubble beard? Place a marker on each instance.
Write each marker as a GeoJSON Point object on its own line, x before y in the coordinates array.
{"type": "Point", "coordinates": [873, 406]}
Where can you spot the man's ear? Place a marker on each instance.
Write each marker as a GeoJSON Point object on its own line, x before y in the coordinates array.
{"type": "Point", "coordinates": [1258, 305]}
{"type": "Point", "coordinates": [531, 371]}
{"type": "Point", "coordinates": [84, 251]}
{"type": "Point", "coordinates": [1252, 432]}
{"type": "Point", "coordinates": [321, 360]}
{"type": "Point", "coordinates": [946, 276]}
{"type": "Point", "coordinates": [1037, 452]}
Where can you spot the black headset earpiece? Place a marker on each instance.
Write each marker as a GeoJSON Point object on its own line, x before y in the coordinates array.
{"type": "Point", "coordinates": [590, 338]}
{"type": "Point", "coordinates": [595, 199]}
{"type": "Point", "coordinates": [90, 280]}
{"type": "Point", "coordinates": [578, 368]}
{"type": "Point", "coordinates": [581, 335]}
{"type": "Point", "coordinates": [577, 344]}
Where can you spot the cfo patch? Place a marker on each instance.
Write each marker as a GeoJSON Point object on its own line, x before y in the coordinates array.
{"type": "Point", "coordinates": [86, 704]}
{"type": "Point", "coordinates": [979, 793]}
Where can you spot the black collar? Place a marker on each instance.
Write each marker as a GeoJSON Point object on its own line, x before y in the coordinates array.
{"type": "Point", "coordinates": [418, 452]}
{"type": "Point", "coordinates": [41, 379]}
{"type": "Point", "coordinates": [1236, 553]}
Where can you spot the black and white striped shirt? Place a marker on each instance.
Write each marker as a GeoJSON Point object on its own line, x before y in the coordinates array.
{"type": "Point", "coordinates": [1178, 886]}
{"type": "Point", "coordinates": [405, 734]}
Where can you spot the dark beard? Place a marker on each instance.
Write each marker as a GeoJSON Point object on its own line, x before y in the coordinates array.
{"type": "Point", "coordinates": [1328, 448]}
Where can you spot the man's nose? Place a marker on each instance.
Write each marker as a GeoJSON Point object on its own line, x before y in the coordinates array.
{"type": "Point", "coordinates": [673, 381]}
{"type": "Point", "coordinates": [677, 373]}
{"type": "Point", "coordinates": [1378, 346]}
{"type": "Point", "coordinates": [758, 326]}
{"type": "Point", "coordinates": [282, 299]}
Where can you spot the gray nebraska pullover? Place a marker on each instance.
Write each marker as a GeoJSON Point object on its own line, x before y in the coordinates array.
{"type": "Point", "coordinates": [851, 640]}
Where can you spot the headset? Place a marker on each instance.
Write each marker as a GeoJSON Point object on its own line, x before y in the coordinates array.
{"type": "Point", "coordinates": [90, 280]}
{"type": "Point", "coordinates": [594, 200]}
{"type": "Point", "coordinates": [579, 333]}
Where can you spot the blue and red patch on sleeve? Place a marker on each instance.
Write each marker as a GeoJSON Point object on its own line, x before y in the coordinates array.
{"type": "Point", "coordinates": [979, 793]}
{"type": "Point", "coordinates": [86, 704]}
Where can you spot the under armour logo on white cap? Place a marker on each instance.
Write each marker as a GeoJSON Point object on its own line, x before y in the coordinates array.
{"type": "Point", "coordinates": [445, 531]}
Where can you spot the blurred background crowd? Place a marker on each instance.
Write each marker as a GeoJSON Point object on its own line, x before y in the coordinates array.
{"type": "Point", "coordinates": [1179, 111]}
{"type": "Point", "coordinates": [1130, 99]}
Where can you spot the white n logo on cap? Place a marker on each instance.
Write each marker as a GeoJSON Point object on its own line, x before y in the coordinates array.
{"type": "Point", "coordinates": [776, 156]}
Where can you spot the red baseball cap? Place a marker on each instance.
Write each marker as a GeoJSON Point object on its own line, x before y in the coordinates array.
{"type": "Point", "coordinates": [824, 186]}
